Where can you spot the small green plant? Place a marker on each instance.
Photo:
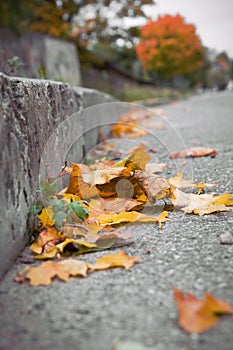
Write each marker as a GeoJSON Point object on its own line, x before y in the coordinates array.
{"type": "Point", "coordinates": [42, 72]}
{"type": "Point", "coordinates": [10, 66]}
{"type": "Point", "coordinates": [63, 211]}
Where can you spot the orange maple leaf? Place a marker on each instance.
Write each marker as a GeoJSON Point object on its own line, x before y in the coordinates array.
{"type": "Point", "coordinates": [194, 152]}
{"type": "Point", "coordinates": [199, 315]}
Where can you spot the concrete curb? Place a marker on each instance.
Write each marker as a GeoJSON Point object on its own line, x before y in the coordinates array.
{"type": "Point", "coordinates": [30, 111]}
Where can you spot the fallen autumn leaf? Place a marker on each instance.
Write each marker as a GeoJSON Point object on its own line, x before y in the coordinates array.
{"type": "Point", "coordinates": [194, 152]}
{"type": "Point", "coordinates": [199, 315]}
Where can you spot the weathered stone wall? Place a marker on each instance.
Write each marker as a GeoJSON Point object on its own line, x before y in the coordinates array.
{"type": "Point", "coordinates": [57, 58]}
{"type": "Point", "coordinates": [30, 111]}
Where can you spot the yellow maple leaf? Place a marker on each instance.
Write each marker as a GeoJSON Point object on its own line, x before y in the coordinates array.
{"type": "Point", "coordinates": [137, 159]}
{"type": "Point", "coordinates": [201, 204]}
{"type": "Point", "coordinates": [131, 216]}
{"type": "Point", "coordinates": [46, 217]}
{"type": "Point", "coordinates": [162, 218]}
{"type": "Point", "coordinates": [43, 274]}
{"type": "Point", "coordinates": [120, 259]}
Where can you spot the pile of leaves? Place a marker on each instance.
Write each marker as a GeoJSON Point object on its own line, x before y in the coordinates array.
{"type": "Point", "coordinates": [91, 214]}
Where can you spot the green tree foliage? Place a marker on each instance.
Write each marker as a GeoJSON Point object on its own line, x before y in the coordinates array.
{"type": "Point", "coordinates": [13, 13]}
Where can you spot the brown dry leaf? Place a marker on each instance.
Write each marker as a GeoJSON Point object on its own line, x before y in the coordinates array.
{"type": "Point", "coordinates": [131, 216]}
{"type": "Point", "coordinates": [123, 187]}
{"type": "Point", "coordinates": [46, 240]}
{"type": "Point", "coordinates": [155, 186]}
{"type": "Point", "coordinates": [120, 259]}
{"type": "Point", "coordinates": [199, 315]}
{"type": "Point", "coordinates": [194, 152]}
{"type": "Point", "coordinates": [201, 204]}
{"type": "Point", "coordinates": [79, 187]}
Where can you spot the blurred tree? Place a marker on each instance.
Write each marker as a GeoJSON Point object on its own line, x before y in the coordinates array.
{"type": "Point", "coordinates": [13, 12]}
{"type": "Point", "coordinates": [94, 24]}
{"type": "Point", "coordinates": [88, 21]}
{"type": "Point", "coordinates": [170, 47]}
{"type": "Point", "coordinates": [220, 71]}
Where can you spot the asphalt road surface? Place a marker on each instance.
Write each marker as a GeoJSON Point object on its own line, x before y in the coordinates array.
{"type": "Point", "coordinates": [138, 305]}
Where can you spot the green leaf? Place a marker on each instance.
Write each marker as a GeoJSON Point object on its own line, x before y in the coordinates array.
{"type": "Point", "coordinates": [77, 208]}
{"type": "Point", "coordinates": [36, 208]}
{"type": "Point", "coordinates": [48, 189]}
{"type": "Point", "coordinates": [57, 204]}
{"type": "Point", "coordinates": [58, 217]}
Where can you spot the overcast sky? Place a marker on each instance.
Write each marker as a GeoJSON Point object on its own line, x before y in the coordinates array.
{"type": "Point", "coordinates": [213, 19]}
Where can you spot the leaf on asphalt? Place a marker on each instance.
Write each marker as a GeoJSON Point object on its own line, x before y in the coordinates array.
{"type": "Point", "coordinates": [127, 127]}
{"type": "Point", "coordinates": [131, 216]}
{"type": "Point", "coordinates": [207, 203]}
{"type": "Point", "coordinates": [46, 240]}
{"type": "Point", "coordinates": [74, 267]}
{"type": "Point", "coordinates": [46, 217]}
{"type": "Point", "coordinates": [201, 204]}
{"type": "Point", "coordinates": [201, 186]}
{"type": "Point", "coordinates": [194, 152]}
{"type": "Point", "coordinates": [112, 240]}
{"type": "Point", "coordinates": [156, 187]}
{"type": "Point", "coordinates": [46, 271]}
{"type": "Point", "coordinates": [179, 182]}
{"type": "Point", "coordinates": [199, 315]}
{"type": "Point", "coordinates": [120, 259]}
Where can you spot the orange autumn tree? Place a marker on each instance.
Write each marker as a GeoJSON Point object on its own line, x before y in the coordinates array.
{"type": "Point", "coordinates": [170, 47]}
